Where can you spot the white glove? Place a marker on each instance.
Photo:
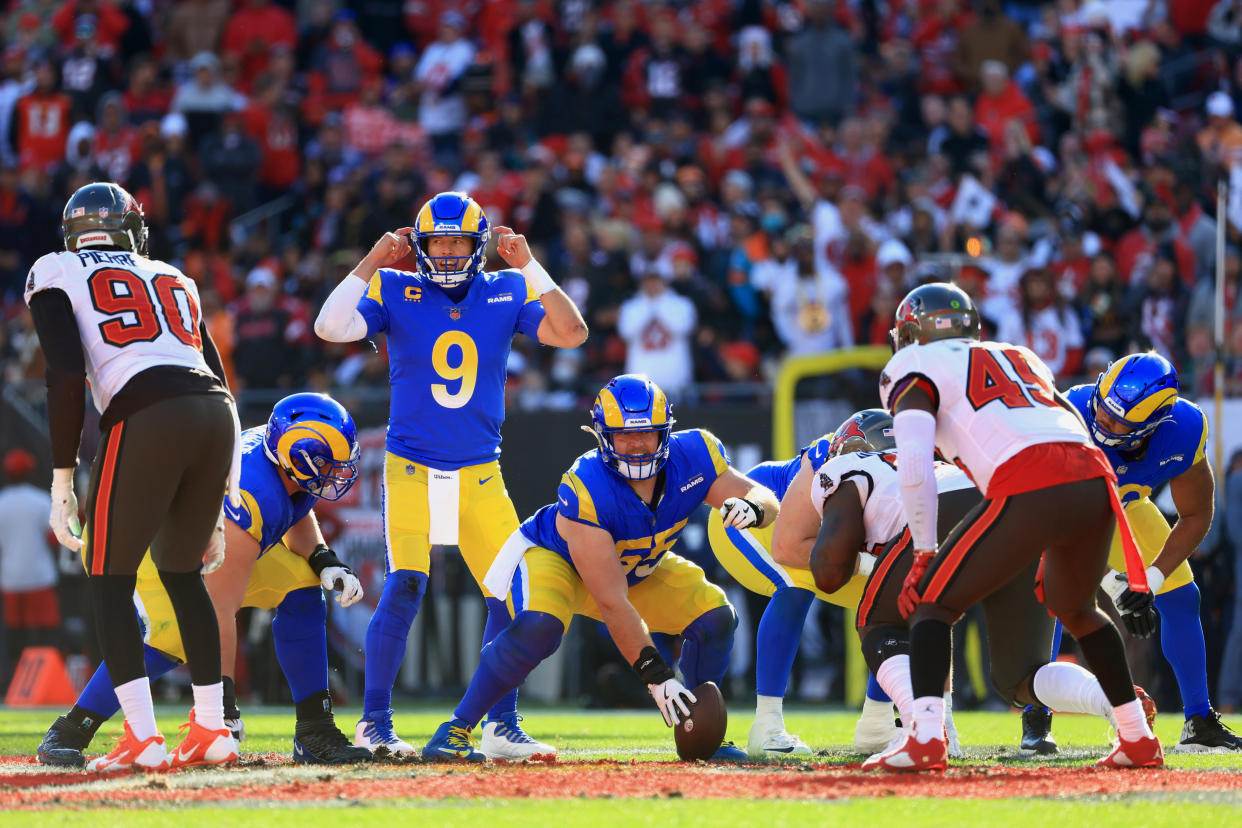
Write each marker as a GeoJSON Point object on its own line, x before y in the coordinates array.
{"type": "Point", "coordinates": [64, 517]}
{"type": "Point", "coordinates": [1116, 583]}
{"type": "Point", "coordinates": [213, 558]}
{"type": "Point", "coordinates": [670, 696]}
{"type": "Point", "coordinates": [866, 564]}
{"type": "Point", "coordinates": [343, 579]}
{"type": "Point", "coordinates": [740, 513]}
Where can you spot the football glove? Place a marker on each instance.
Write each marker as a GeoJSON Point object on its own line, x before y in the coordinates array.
{"type": "Point", "coordinates": [740, 513]}
{"type": "Point", "coordinates": [910, 596]}
{"type": "Point", "coordinates": [1137, 609]}
{"type": "Point", "coordinates": [334, 575]}
{"type": "Point", "coordinates": [213, 558]}
{"type": "Point", "coordinates": [671, 696]}
{"type": "Point", "coordinates": [64, 517]}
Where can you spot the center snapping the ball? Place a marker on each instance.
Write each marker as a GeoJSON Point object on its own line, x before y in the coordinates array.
{"type": "Point", "coordinates": [700, 734]}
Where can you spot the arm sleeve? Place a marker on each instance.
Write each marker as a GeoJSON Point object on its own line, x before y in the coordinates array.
{"type": "Point", "coordinates": [341, 318]}
{"type": "Point", "coordinates": [211, 355]}
{"type": "Point", "coordinates": [66, 373]}
{"type": "Point", "coordinates": [915, 432]}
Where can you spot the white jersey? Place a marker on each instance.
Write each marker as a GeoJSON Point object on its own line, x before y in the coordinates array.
{"type": "Point", "coordinates": [875, 478]}
{"type": "Point", "coordinates": [133, 313]}
{"type": "Point", "coordinates": [992, 400]}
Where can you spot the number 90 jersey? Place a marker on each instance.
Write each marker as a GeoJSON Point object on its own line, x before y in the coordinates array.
{"type": "Point", "coordinates": [992, 400]}
{"type": "Point", "coordinates": [594, 494]}
{"type": "Point", "coordinates": [133, 313]}
{"type": "Point", "coordinates": [446, 361]}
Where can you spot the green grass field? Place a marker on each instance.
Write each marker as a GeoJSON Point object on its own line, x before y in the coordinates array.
{"type": "Point", "coordinates": [989, 739]}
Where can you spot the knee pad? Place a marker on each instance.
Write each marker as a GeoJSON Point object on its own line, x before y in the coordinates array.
{"type": "Point", "coordinates": [707, 645]}
{"type": "Point", "coordinates": [879, 644]}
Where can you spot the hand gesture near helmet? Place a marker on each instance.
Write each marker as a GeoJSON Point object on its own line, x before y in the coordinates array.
{"type": "Point", "coordinates": [390, 249]}
{"type": "Point", "coordinates": [512, 247]}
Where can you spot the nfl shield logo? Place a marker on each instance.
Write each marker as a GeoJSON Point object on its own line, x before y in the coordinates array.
{"type": "Point", "coordinates": [103, 212]}
{"type": "Point", "coordinates": [411, 469]}
{"type": "Point", "coordinates": [454, 313]}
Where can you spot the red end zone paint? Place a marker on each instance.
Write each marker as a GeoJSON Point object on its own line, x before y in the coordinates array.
{"type": "Point", "coordinates": [593, 779]}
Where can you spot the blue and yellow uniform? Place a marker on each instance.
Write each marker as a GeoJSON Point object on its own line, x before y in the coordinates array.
{"type": "Point", "coordinates": [668, 591]}
{"type": "Point", "coordinates": [447, 363]}
{"type": "Point", "coordinates": [268, 511]}
{"type": "Point", "coordinates": [1173, 447]}
{"type": "Point", "coordinates": [746, 554]}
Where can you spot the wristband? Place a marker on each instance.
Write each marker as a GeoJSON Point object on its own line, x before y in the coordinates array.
{"type": "Point", "coordinates": [322, 558]}
{"type": "Point", "coordinates": [651, 668]}
{"type": "Point", "coordinates": [537, 277]}
{"type": "Point", "coordinates": [1155, 579]}
{"type": "Point", "coordinates": [62, 477]}
{"type": "Point", "coordinates": [758, 510]}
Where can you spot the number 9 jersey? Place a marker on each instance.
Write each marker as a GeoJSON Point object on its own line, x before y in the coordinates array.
{"type": "Point", "coordinates": [133, 313]}
{"type": "Point", "coordinates": [447, 361]}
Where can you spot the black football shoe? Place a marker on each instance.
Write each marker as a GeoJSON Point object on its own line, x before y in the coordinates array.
{"type": "Point", "coordinates": [1037, 731]}
{"type": "Point", "coordinates": [1207, 734]}
{"type": "Point", "coordinates": [63, 744]}
{"type": "Point", "coordinates": [320, 742]}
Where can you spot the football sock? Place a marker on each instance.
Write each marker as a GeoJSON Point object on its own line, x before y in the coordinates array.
{"type": "Point", "coordinates": [769, 705]}
{"type": "Point", "coordinates": [98, 700]}
{"type": "Point", "coordinates": [929, 718]}
{"type": "Point", "coordinates": [931, 643]}
{"type": "Point", "coordinates": [299, 630]}
{"type": "Point", "coordinates": [776, 643]}
{"type": "Point", "coordinates": [317, 705]}
{"type": "Point", "coordinates": [209, 705]}
{"type": "Point", "coordinates": [874, 691]}
{"type": "Point", "coordinates": [386, 635]}
{"type": "Point", "coordinates": [497, 619]}
{"type": "Point", "coordinates": [1132, 721]}
{"type": "Point", "coordinates": [1181, 639]}
{"type": "Point", "coordinates": [135, 699]}
{"type": "Point", "coordinates": [1069, 688]}
{"type": "Point", "coordinates": [894, 677]}
{"type": "Point", "coordinates": [1106, 658]}
{"type": "Point", "coordinates": [196, 617]}
{"type": "Point", "coordinates": [86, 719]}
{"type": "Point", "coordinates": [507, 661]}
{"type": "Point", "coordinates": [708, 642]}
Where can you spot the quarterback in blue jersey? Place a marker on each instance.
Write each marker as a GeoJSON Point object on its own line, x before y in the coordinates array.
{"type": "Point", "coordinates": [604, 550]}
{"type": "Point", "coordinates": [275, 558]}
{"type": "Point", "coordinates": [752, 557]}
{"type": "Point", "coordinates": [1152, 437]}
{"type": "Point", "coordinates": [449, 326]}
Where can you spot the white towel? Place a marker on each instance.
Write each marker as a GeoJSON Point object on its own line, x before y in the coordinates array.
{"type": "Point", "coordinates": [234, 484]}
{"type": "Point", "coordinates": [499, 575]}
{"type": "Point", "coordinates": [443, 497]}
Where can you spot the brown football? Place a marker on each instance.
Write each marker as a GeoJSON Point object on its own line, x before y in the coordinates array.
{"type": "Point", "coordinates": [700, 734]}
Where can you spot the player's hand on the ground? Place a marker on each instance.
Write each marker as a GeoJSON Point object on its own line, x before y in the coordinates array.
{"type": "Point", "coordinates": [910, 596]}
{"type": "Point", "coordinates": [213, 558]}
{"type": "Point", "coordinates": [343, 580]}
{"type": "Point", "coordinates": [391, 248]}
{"type": "Point", "coordinates": [512, 247]}
{"type": "Point", "coordinates": [740, 513]}
{"type": "Point", "coordinates": [64, 517]}
{"type": "Point", "coordinates": [671, 697]}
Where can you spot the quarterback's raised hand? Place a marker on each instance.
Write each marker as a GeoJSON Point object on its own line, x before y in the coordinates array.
{"type": "Point", "coordinates": [391, 248]}
{"type": "Point", "coordinates": [334, 575]}
{"type": "Point", "coordinates": [512, 247]}
{"type": "Point", "coordinates": [64, 517]}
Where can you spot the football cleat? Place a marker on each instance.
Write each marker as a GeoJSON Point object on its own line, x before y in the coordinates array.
{"type": "Point", "coordinates": [129, 752]}
{"type": "Point", "coordinates": [504, 739]}
{"type": "Point", "coordinates": [908, 754]}
{"type": "Point", "coordinates": [775, 744]}
{"type": "Point", "coordinates": [876, 727]}
{"type": "Point", "coordinates": [1207, 734]}
{"type": "Point", "coordinates": [375, 732]}
{"type": "Point", "coordinates": [321, 742]}
{"type": "Point", "coordinates": [204, 747]}
{"type": "Point", "coordinates": [63, 744]}
{"type": "Point", "coordinates": [1037, 731]}
{"type": "Point", "coordinates": [1143, 753]}
{"type": "Point", "coordinates": [451, 743]}
{"type": "Point", "coordinates": [729, 752]}
{"type": "Point", "coordinates": [1149, 707]}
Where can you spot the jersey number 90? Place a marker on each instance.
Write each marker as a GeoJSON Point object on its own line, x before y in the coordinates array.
{"type": "Point", "coordinates": [454, 347]}
{"type": "Point", "coordinates": [124, 297]}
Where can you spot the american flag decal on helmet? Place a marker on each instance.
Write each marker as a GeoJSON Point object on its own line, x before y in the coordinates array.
{"type": "Point", "coordinates": [77, 211]}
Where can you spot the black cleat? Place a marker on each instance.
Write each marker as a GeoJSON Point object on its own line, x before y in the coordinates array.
{"type": "Point", "coordinates": [63, 745]}
{"type": "Point", "coordinates": [1207, 734]}
{"type": "Point", "coordinates": [320, 742]}
{"type": "Point", "coordinates": [1037, 731]}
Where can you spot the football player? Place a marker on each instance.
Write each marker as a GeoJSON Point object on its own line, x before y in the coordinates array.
{"type": "Point", "coordinates": [449, 326]}
{"type": "Point", "coordinates": [992, 410]}
{"type": "Point", "coordinates": [757, 559]}
{"type": "Point", "coordinates": [1152, 437]}
{"type": "Point", "coordinates": [132, 326]}
{"type": "Point", "coordinates": [604, 550]}
{"type": "Point", "coordinates": [276, 559]}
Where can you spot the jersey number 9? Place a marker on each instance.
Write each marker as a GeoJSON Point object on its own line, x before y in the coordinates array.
{"type": "Point", "coordinates": [466, 371]}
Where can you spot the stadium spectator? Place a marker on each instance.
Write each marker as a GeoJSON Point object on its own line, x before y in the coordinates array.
{"type": "Point", "coordinates": [823, 67]}
{"type": "Point", "coordinates": [204, 98]}
{"type": "Point", "coordinates": [270, 335]}
{"type": "Point", "coordinates": [656, 325]}
{"type": "Point", "coordinates": [442, 107]}
{"type": "Point", "coordinates": [27, 563]}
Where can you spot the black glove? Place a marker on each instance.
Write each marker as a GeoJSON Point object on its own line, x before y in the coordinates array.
{"type": "Point", "coordinates": [1134, 601]}
{"type": "Point", "coordinates": [1141, 623]}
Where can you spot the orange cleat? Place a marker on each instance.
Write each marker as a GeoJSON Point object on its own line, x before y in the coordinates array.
{"type": "Point", "coordinates": [1144, 753]}
{"type": "Point", "coordinates": [1149, 707]}
{"type": "Point", "coordinates": [204, 747]}
{"type": "Point", "coordinates": [908, 754]}
{"type": "Point", "coordinates": [148, 754]}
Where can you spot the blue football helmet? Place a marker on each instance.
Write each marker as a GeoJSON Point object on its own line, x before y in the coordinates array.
{"type": "Point", "coordinates": [632, 403]}
{"type": "Point", "coordinates": [451, 214]}
{"type": "Point", "coordinates": [313, 438]}
{"type": "Point", "coordinates": [1139, 391]}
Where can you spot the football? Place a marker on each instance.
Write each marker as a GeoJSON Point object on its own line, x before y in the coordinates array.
{"type": "Point", "coordinates": [701, 733]}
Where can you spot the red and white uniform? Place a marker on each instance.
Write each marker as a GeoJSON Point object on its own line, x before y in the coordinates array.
{"type": "Point", "coordinates": [875, 478]}
{"type": "Point", "coordinates": [993, 400]}
{"type": "Point", "coordinates": [133, 313]}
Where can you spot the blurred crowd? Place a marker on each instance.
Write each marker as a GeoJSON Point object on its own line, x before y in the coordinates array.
{"type": "Point", "coordinates": [718, 183]}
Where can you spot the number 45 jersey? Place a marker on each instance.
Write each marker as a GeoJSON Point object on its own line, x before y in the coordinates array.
{"type": "Point", "coordinates": [447, 360]}
{"type": "Point", "coordinates": [992, 400]}
{"type": "Point", "coordinates": [133, 313]}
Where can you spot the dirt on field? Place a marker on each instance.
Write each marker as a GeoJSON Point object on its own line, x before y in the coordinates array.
{"type": "Point", "coordinates": [25, 785]}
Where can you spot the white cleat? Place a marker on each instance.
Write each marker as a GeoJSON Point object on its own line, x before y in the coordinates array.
{"type": "Point", "coordinates": [376, 732]}
{"type": "Point", "coordinates": [769, 738]}
{"type": "Point", "coordinates": [506, 740]}
{"type": "Point", "coordinates": [876, 728]}
{"type": "Point", "coordinates": [950, 734]}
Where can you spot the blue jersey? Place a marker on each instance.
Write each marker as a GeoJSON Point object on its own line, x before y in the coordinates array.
{"type": "Point", "coordinates": [778, 474]}
{"type": "Point", "coordinates": [1176, 445]}
{"type": "Point", "coordinates": [446, 361]}
{"type": "Point", "coordinates": [592, 493]}
{"type": "Point", "coordinates": [268, 511]}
